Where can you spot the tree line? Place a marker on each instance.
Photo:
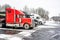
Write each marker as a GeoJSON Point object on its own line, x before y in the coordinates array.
{"type": "Point", "coordinates": [40, 11]}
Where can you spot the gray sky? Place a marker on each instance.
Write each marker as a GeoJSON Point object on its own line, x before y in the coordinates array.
{"type": "Point", "coordinates": [53, 6]}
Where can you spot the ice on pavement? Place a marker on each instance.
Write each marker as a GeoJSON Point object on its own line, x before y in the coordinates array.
{"type": "Point", "coordinates": [18, 36]}
{"type": "Point", "coordinates": [10, 37]}
{"type": "Point", "coordinates": [46, 27]}
{"type": "Point", "coordinates": [50, 23]}
{"type": "Point", "coordinates": [49, 34]}
{"type": "Point", "coordinates": [25, 34]}
{"type": "Point", "coordinates": [5, 36]}
{"type": "Point", "coordinates": [15, 38]}
{"type": "Point", "coordinates": [51, 31]}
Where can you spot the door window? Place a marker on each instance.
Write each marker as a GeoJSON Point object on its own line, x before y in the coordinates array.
{"type": "Point", "coordinates": [19, 16]}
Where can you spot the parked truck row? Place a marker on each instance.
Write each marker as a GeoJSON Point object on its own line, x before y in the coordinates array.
{"type": "Point", "coordinates": [16, 18]}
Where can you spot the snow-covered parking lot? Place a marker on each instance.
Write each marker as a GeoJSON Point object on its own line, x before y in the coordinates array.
{"type": "Point", "coordinates": [48, 31]}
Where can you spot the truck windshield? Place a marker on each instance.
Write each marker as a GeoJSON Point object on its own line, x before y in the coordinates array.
{"type": "Point", "coordinates": [27, 16]}
{"type": "Point", "coordinates": [37, 18]}
{"type": "Point", "coordinates": [19, 16]}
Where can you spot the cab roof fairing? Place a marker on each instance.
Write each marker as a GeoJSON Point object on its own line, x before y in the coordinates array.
{"type": "Point", "coordinates": [16, 11]}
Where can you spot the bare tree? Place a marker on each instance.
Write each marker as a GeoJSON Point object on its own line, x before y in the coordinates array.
{"type": "Point", "coordinates": [0, 7]}
{"type": "Point", "coordinates": [4, 7]}
{"type": "Point", "coordinates": [40, 11]}
{"type": "Point", "coordinates": [26, 9]}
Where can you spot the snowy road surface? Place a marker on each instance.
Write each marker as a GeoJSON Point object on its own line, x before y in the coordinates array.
{"type": "Point", "coordinates": [48, 31]}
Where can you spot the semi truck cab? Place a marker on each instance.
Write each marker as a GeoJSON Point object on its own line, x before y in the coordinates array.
{"type": "Point", "coordinates": [15, 18]}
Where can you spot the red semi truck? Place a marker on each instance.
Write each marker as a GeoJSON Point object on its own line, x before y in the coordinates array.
{"type": "Point", "coordinates": [15, 18]}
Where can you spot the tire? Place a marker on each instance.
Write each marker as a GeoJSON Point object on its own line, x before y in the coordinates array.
{"type": "Point", "coordinates": [26, 26]}
{"type": "Point", "coordinates": [40, 23]}
{"type": "Point", "coordinates": [35, 25]}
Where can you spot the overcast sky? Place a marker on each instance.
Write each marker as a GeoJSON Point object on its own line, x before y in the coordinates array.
{"type": "Point", "coordinates": [53, 6]}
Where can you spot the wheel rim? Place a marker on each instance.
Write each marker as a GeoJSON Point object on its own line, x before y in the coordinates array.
{"type": "Point", "coordinates": [26, 26]}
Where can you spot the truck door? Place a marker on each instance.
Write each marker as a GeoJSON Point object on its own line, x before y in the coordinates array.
{"type": "Point", "coordinates": [18, 18]}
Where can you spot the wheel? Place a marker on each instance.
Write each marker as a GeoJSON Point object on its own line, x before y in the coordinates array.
{"type": "Point", "coordinates": [26, 26]}
{"type": "Point", "coordinates": [40, 23]}
{"type": "Point", "coordinates": [35, 25]}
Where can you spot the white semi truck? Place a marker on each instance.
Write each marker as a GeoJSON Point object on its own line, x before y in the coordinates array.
{"type": "Point", "coordinates": [38, 19]}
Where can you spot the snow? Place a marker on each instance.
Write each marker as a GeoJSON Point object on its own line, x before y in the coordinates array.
{"type": "Point", "coordinates": [25, 34]}
{"type": "Point", "coordinates": [51, 31]}
{"type": "Point", "coordinates": [46, 26]}
{"type": "Point", "coordinates": [10, 37]}
{"type": "Point", "coordinates": [5, 36]}
{"type": "Point", "coordinates": [51, 23]}
{"type": "Point", "coordinates": [15, 38]}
